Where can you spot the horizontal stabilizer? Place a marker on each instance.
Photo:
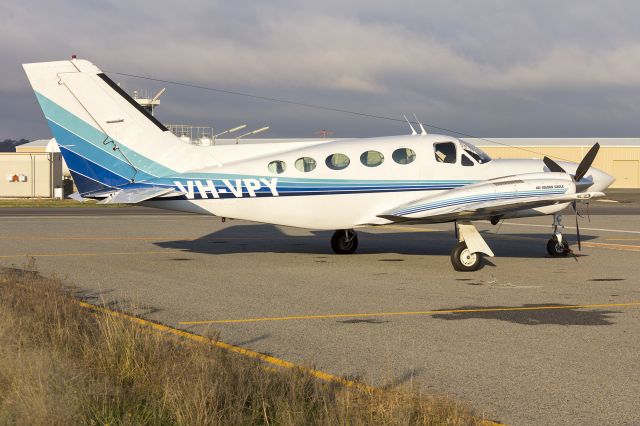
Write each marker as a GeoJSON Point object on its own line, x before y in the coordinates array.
{"type": "Point", "coordinates": [135, 195]}
{"type": "Point", "coordinates": [77, 197]}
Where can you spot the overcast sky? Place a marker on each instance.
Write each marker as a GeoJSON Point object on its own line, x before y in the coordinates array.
{"type": "Point", "coordinates": [489, 68]}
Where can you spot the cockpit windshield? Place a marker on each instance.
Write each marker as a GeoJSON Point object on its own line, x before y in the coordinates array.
{"type": "Point", "coordinates": [479, 155]}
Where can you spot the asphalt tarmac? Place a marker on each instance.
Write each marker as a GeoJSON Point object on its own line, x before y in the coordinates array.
{"type": "Point", "coordinates": [526, 340]}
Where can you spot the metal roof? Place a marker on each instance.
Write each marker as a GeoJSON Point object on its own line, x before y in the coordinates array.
{"type": "Point", "coordinates": [491, 142]}
{"type": "Point", "coordinates": [50, 145]}
{"type": "Point", "coordinates": [40, 143]}
{"type": "Point", "coordinates": [482, 142]}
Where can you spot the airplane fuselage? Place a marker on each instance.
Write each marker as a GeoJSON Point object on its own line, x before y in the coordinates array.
{"type": "Point", "coordinates": [243, 185]}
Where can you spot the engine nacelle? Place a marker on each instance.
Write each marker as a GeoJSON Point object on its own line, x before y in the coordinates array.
{"type": "Point", "coordinates": [534, 184]}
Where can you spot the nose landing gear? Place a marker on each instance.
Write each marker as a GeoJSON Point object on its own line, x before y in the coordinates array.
{"type": "Point", "coordinates": [557, 246]}
{"type": "Point", "coordinates": [344, 241]}
{"type": "Point", "coordinates": [558, 249]}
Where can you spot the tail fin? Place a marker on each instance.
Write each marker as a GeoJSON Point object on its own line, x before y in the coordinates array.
{"type": "Point", "coordinates": [106, 138]}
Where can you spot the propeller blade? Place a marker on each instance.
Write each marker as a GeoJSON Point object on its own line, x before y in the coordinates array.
{"type": "Point", "coordinates": [586, 162]}
{"type": "Point", "coordinates": [576, 214]}
{"type": "Point", "coordinates": [552, 165]}
{"type": "Point", "coordinates": [578, 233]}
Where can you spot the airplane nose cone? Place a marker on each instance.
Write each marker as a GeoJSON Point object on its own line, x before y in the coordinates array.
{"type": "Point", "coordinates": [601, 180]}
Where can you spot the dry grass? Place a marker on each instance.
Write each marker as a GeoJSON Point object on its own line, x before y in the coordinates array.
{"type": "Point", "coordinates": [61, 364]}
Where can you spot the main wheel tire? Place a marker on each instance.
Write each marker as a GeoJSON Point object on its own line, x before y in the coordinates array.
{"type": "Point", "coordinates": [344, 241]}
{"type": "Point", "coordinates": [556, 249]}
{"type": "Point", "coordinates": [463, 260]}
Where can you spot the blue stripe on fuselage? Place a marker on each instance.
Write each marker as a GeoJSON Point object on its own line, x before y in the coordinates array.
{"type": "Point", "coordinates": [81, 148]}
{"type": "Point", "coordinates": [89, 135]}
{"type": "Point", "coordinates": [91, 170]}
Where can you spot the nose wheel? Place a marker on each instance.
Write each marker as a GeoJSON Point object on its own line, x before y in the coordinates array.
{"type": "Point", "coordinates": [344, 241]}
{"type": "Point", "coordinates": [557, 246]}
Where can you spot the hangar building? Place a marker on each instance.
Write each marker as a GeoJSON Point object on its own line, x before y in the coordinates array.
{"type": "Point", "coordinates": [36, 169]}
{"type": "Point", "coordinates": [619, 157]}
{"type": "Point", "coordinates": [33, 171]}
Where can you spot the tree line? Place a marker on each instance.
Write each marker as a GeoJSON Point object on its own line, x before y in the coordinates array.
{"type": "Point", "coordinates": [9, 145]}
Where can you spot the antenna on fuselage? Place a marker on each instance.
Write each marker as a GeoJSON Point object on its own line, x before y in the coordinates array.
{"type": "Point", "coordinates": [413, 131]}
{"type": "Point", "coordinates": [233, 129]}
{"type": "Point", "coordinates": [423, 132]}
{"type": "Point", "coordinates": [253, 132]}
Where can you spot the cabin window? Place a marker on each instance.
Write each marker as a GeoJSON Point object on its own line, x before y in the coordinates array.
{"type": "Point", "coordinates": [445, 152]}
{"type": "Point", "coordinates": [337, 161]}
{"type": "Point", "coordinates": [371, 158]}
{"type": "Point", "coordinates": [305, 164]}
{"type": "Point", "coordinates": [466, 161]}
{"type": "Point", "coordinates": [277, 167]}
{"type": "Point", "coordinates": [403, 156]}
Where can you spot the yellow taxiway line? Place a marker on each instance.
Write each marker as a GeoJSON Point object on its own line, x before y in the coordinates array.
{"type": "Point", "coordinates": [608, 246]}
{"type": "Point", "coordinates": [232, 348]}
{"type": "Point", "coordinates": [411, 228]}
{"type": "Point", "coordinates": [118, 253]}
{"type": "Point", "coordinates": [267, 359]}
{"type": "Point", "coordinates": [625, 247]}
{"type": "Point", "coordinates": [99, 238]}
{"type": "Point", "coordinates": [409, 313]}
{"type": "Point", "coordinates": [37, 238]}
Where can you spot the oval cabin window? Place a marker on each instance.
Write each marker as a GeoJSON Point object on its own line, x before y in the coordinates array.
{"type": "Point", "coordinates": [337, 161]}
{"type": "Point", "coordinates": [277, 167]}
{"type": "Point", "coordinates": [371, 158]}
{"type": "Point", "coordinates": [305, 164]}
{"type": "Point", "coordinates": [403, 156]}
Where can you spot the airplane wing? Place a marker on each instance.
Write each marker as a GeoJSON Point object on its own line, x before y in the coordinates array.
{"type": "Point", "coordinates": [481, 210]}
{"type": "Point", "coordinates": [487, 199]}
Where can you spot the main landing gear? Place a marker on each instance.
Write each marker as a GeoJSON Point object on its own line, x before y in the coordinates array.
{"type": "Point", "coordinates": [344, 241]}
{"type": "Point", "coordinates": [467, 254]}
{"type": "Point", "coordinates": [464, 260]}
{"type": "Point", "coordinates": [557, 246]}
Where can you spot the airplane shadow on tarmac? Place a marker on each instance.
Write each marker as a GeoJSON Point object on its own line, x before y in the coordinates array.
{"type": "Point", "coordinates": [559, 316]}
{"type": "Point", "coordinates": [262, 238]}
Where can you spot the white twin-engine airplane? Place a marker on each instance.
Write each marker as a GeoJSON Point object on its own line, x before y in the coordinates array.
{"type": "Point", "coordinates": [118, 153]}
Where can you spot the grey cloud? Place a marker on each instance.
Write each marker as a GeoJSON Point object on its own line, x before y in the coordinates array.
{"type": "Point", "coordinates": [491, 68]}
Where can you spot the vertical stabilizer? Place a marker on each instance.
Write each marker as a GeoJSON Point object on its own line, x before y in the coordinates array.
{"type": "Point", "coordinates": [106, 138]}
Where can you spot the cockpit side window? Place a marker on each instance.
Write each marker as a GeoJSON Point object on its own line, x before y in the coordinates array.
{"type": "Point", "coordinates": [445, 152]}
{"type": "Point", "coordinates": [476, 153]}
{"type": "Point", "coordinates": [466, 161]}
